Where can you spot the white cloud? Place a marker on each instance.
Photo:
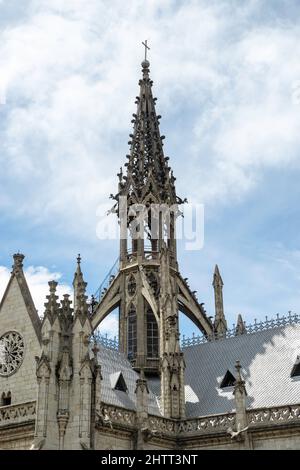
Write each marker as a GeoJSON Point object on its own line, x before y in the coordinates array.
{"type": "Point", "coordinates": [70, 71]}
{"type": "Point", "coordinates": [223, 72]}
{"type": "Point", "coordinates": [37, 278]}
{"type": "Point", "coordinates": [110, 326]}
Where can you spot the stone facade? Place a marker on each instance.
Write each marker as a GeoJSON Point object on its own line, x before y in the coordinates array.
{"type": "Point", "coordinates": [51, 377]}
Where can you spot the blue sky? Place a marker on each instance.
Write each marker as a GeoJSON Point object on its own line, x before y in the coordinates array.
{"type": "Point", "coordinates": [227, 78]}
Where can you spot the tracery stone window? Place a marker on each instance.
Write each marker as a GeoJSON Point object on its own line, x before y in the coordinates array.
{"type": "Point", "coordinates": [11, 353]}
{"type": "Point", "coordinates": [132, 333]}
{"type": "Point", "coordinates": [152, 335]}
{"type": "Point", "coordinates": [131, 286]}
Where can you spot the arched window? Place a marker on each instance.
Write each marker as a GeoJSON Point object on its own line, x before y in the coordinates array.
{"type": "Point", "coordinates": [132, 332]}
{"type": "Point", "coordinates": [152, 335]}
{"type": "Point", "coordinates": [6, 399]}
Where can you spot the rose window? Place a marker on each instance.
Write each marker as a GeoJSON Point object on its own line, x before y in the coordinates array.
{"type": "Point", "coordinates": [11, 352]}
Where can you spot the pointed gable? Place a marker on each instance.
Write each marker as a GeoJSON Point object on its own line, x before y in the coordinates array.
{"type": "Point", "coordinates": [18, 287]}
{"type": "Point", "coordinates": [20, 328]}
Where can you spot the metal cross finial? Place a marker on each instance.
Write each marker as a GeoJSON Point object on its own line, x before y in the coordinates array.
{"type": "Point", "coordinates": [146, 47]}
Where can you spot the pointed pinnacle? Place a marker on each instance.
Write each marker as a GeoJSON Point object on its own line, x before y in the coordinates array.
{"type": "Point", "coordinates": [240, 325]}
{"type": "Point", "coordinates": [217, 279]}
{"type": "Point", "coordinates": [238, 369]}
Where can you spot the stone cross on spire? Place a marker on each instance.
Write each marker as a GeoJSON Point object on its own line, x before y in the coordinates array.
{"type": "Point", "coordinates": [146, 48]}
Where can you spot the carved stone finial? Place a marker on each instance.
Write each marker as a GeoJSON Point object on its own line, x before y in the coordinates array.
{"type": "Point", "coordinates": [18, 262]}
{"type": "Point", "coordinates": [52, 286]}
{"type": "Point", "coordinates": [240, 328]}
{"type": "Point", "coordinates": [51, 305]}
{"type": "Point", "coordinates": [239, 386]}
{"type": "Point", "coordinates": [238, 369]}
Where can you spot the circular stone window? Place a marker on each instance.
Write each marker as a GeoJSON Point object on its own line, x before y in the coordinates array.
{"type": "Point", "coordinates": [11, 352]}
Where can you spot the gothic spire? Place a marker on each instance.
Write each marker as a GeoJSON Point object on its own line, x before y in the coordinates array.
{"type": "Point", "coordinates": [148, 170]}
{"type": "Point", "coordinates": [79, 284]}
{"type": "Point", "coordinates": [220, 324]}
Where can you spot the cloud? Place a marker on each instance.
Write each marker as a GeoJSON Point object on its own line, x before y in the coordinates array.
{"type": "Point", "coordinates": [37, 278]}
{"type": "Point", "coordinates": [110, 326]}
{"type": "Point", "coordinates": [67, 70]}
{"type": "Point", "coordinates": [226, 75]}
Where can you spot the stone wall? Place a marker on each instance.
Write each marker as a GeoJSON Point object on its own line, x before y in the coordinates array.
{"type": "Point", "coordinates": [14, 316]}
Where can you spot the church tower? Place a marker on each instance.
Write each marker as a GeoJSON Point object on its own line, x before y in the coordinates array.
{"type": "Point", "coordinates": [148, 288]}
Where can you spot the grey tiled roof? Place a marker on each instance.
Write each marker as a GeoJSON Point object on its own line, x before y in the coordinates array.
{"type": "Point", "coordinates": [112, 362]}
{"type": "Point", "coordinates": [267, 359]}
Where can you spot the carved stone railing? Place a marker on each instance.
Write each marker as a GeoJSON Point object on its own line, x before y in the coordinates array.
{"type": "Point", "coordinates": [16, 414]}
{"type": "Point", "coordinates": [207, 424]}
{"type": "Point", "coordinates": [202, 425]}
{"type": "Point", "coordinates": [267, 324]}
{"type": "Point", "coordinates": [159, 425]}
{"type": "Point", "coordinates": [113, 415]}
{"type": "Point", "coordinates": [269, 416]}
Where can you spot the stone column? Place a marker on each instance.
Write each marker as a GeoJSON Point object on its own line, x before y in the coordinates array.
{"type": "Point", "coordinates": [240, 395]}
{"type": "Point", "coordinates": [142, 392]}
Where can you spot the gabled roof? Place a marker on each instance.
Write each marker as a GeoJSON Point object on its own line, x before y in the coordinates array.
{"type": "Point", "coordinates": [18, 274]}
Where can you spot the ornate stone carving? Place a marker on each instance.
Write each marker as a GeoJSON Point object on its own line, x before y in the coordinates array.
{"type": "Point", "coordinates": [11, 353]}
{"type": "Point", "coordinates": [15, 414]}
{"type": "Point", "coordinates": [274, 415]}
{"type": "Point", "coordinates": [113, 415]}
{"type": "Point", "coordinates": [207, 424]}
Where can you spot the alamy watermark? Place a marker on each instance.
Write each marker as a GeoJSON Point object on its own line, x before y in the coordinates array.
{"type": "Point", "coordinates": [153, 222]}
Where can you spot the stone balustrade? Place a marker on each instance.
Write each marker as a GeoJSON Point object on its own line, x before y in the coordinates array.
{"type": "Point", "coordinates": [207, 424]}
{"type": "Point", "coordinates": [265, 416]}
{"type": "Point", "coordinates": [159, 425]}
{"type": "Point", "coordinates": [17, 413]}
{"type": "Point", "coordinates": [114, 415]}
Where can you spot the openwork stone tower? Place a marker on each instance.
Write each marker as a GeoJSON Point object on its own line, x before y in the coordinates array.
{"type": "Point", "coordinates": [149, 289]}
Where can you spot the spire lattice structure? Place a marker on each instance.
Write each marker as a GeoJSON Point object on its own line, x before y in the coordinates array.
{"type": "Point", "coordinates": [148, 288]}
